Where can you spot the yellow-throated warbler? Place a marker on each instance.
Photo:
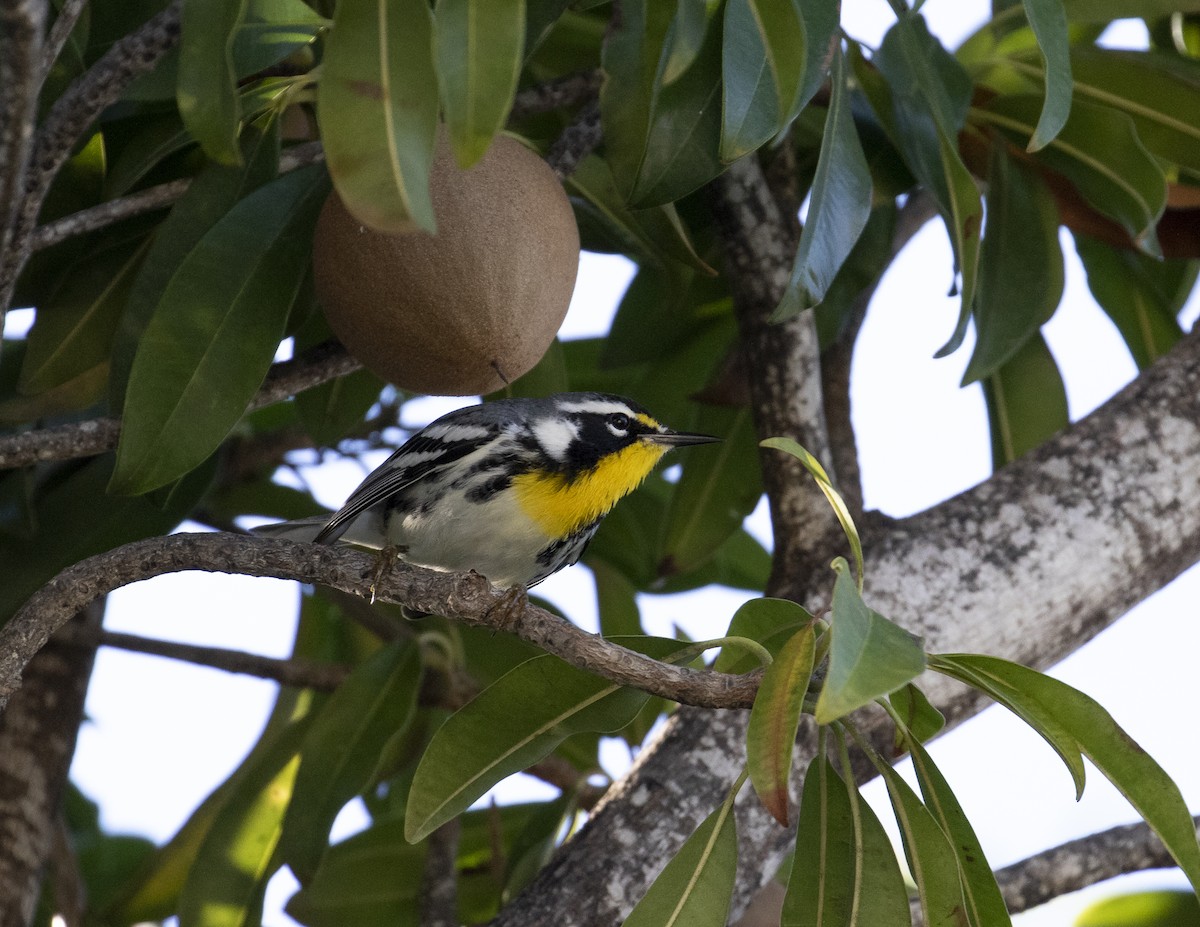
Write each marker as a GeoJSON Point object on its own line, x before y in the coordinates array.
{"type": "Point", "coordinates": [512, 489]}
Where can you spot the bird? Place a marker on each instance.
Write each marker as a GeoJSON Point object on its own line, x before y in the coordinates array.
{"type": "Point", "coordinates": [512, 489]}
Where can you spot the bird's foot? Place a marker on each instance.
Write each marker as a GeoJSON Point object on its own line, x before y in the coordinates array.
{"type": "Point", "coordinates": [386, 560]}
{"type": "Point", "coordinates": [507, 610]}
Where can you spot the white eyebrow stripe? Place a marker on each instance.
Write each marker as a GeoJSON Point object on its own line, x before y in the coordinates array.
{"type": "Point", "coordinates": [456, 432]}
{"type": "Point", "coordinates": [599, 406]}
{"type": "Point", "coordinates": [555, 436]}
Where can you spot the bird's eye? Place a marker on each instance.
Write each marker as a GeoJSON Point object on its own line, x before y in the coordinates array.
{"type": "Point", "coordinates": [619, 422]}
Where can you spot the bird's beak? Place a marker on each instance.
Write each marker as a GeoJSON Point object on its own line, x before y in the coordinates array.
{"type": "Point", "coordinates": [678, 438]}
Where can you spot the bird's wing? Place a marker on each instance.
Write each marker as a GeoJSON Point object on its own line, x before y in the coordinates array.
{"type": "Point", "coordinates": [420, 456]}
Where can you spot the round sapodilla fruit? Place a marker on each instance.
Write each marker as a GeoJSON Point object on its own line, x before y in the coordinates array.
{"type": "Point", "coordinates": [470, 308]}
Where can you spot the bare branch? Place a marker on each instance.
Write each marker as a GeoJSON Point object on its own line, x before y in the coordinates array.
{"type": "Point", "coordinates": [296, 672]}
{"type": "Point", "coordinates": [1083, 862]}
{"type": "Point", "coordinates": [110, 213]}
{"type": "Point", "coordinates": [569, 90]}
{"type": "Point", "coordinates": [22, 23]}
{"type": "Point", "coordinates": [468, 598]}
{"type": "Point", "coordinates": [85, 439]}
{"type": "Point", "coordinates": [439, 888]}
{"type": "Point", "coordinates": [576, 141]}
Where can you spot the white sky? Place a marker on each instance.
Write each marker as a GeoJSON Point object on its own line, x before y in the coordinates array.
{"type": "Point", "coordinates": [161, 734]}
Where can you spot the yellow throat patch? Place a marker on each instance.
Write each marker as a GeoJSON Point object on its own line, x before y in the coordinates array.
{"type": "Point", "coordinates": [560, 507]}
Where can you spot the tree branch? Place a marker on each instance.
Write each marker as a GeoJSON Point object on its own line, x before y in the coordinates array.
{"type": "Point", "coordinates": [70, 116]}
{"type": "Point", "coordinates": [468, 598]}
{"type": "Point", "coordinates": [21, 26]}
{"type": "Point", "coordinates": [439, 888]}
{"type": "Point", "coordinates": [64, 24]}
{"type": "Point", "coordinates": [318, 365]}
{"type": "Point", "coordinates": [296, 672]}
{"type": "Point", "coordinates": [576, 141]}
{"type": "Point", "coordinates": [569, 90]}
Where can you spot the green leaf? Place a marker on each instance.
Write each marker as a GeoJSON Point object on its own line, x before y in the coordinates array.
{"type": "Point", "coordinates": [1142, 296]}
{"type": "Point", "coordinates": [685, 38]}
{"type": "Point", "coordinates": [334, 408]}
{"type": "Point", "coordinates": [931, 858]}
{"type": "Point", "coordinates": [822, 884]}
{"type": "Point", "coordinates": [716, 491]}
{"type": "Point", "coordinates": [343, 746]}
{"type": "Point", "coordinates": [378, 104]}
{"type": "Point", "coordinates": [616, 600]}
{"type": "Point", "coordinates": [695, 888]}
{"type": "Point", "coordinates": [822, 22]}
{"type": "Point", "coordinates": [1049, 22]}
{"type": "Point", "coordinates": [211, 194]}
{"type": "Point", "coordinates": [1026, 402]}
{"type": "Point", "coordinates": [1143, 909]}
{"type": "Point", "coordinates": [869, 655]}
{"type": "Point", "coordinates": [534, 844]}
{"type": "Point", "coordinates": [774, 720]}
{"type": "Point", "coordinates": [236, 857]}
{"type": "Point", "coordinates": [930, 93]}
{"type": "Point", "coordinates": [838, 209]}
{"type": "Point", "coordinates": [1099, 151]}
{"type": "Point", "coordinates": [372, 879]}
{"type": "Point", "coordinates": [479, 54]}
{"type": "Point", "coordinates": [1020, 265]}
{"type": "Point", "coordinates": [1102, 11]}
{"type": "Point", "coordinates": [813, 466]}
{"type": "Point", "coordinates": [920, 718]}
{"type": "Point", "coordinates": [662, 142]}
{"type": "Point", "coordinates": [511, 725]}
{"type": "Point", "coordinates": [1094, 732]}
{"type": "Point", "coordinates": [1151, 90]}
{"type": "Point", "coordinates": [984, 903]}
{"type": "Point", "coordinates": [206, 92]}
{"type": "Point", "coordinates": [73, 331]}
{"type": "Point", "coordinates": [771, 622]}
{"type": "Point", "coordinates": [200, 362]}
{"type": "Point", "coordinates": [1019, 702]}
{"type": "Point", "coordinates": [762, 62]}
{"type": "Point", "coordinates": [156, 139]}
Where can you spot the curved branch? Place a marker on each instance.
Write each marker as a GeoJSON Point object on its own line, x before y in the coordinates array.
{"type": "Point", "coordinates": [1080, 863]}
{"type": "Point", "coordinates": [468, 598]}
{"type": "Point", "coordinates": [21, 25]}
{"type": "Point", "coordinates": [318, 365]}
{"type": "Point", "coordinates": [64, 24]}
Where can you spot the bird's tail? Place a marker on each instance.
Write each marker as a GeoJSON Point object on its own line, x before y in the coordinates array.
{"type": "Point", "coordinates": [303, 529]}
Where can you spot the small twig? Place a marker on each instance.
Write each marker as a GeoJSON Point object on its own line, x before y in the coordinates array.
{"type": "Point", "coordinates": [64, 24]}
{"type": "Point", "coordinates": [570, 90]}
{"type": "Point", "coordinates": [95, 436]}
{"type": "Point", "coordinates": [22, 24]}
{"type": "Point", "coordinates": [439, 888]}
{"type": "Point", "coordinates": [297, 672]}
{"type": "Point", "coordinates": [467, 597]}
{"type": "Point", "coordinates": [576, 142]}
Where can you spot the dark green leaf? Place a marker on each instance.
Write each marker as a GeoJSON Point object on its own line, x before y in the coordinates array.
{"type": "Point", "coordinates": [236, 856]}
{"type": "Point", "coordinates": [821, 888]}
{"type": "Point", "coordinates": [920, 717]}
{"type": "Point", "coordinates": [479, 54]}
{"type": "Point", "coordinates": [774, 720]}
{"type": "Point", "coordinates": [1102, 11]}
{"type": "Point", "coordinates": [838, 209]}
{"type": "Point", "coordinates": [199, 365]}
{"type": "Point", "coordinates": [659, 312]}
{"type": "Point", "coordinates": [155, 141]}
{"type": "Point", "coordinates": [343, 747]}
{"type": "Point", "coordinates": [762, 61]}
{"type": "Point", "coordinates": [821, 23]}
{"type": "Point", "coordinates": [616, 600]}
{"type": "Point", "coordinates": [771, 622]}
{"type": "Point", "coordinates": [685, 38]}
{"type": "Point", "coordinates": [1020, 265]}
{"type": "Point", "coordinates": [869, 656]}
{"type": "Point", "coordinates": [695, 888]}
{"type": "Point", "coordinates": [74, 329]}
{"type": "Point", "coordinates": [372, 879]}
{"type": "Point", "coordinates": [929, 94]}
{"type": "Point", "coordinates": [535, 842]}
{"type": "Point", "coordinates": [985, 905]}
{"type": "Point", "coordinates": [207, 93]}
{"type": "Point", "coordinates": [378, 106]}
{"type": "Point", "coordinates": [1049, 23]}
{"type": "Point", "coordinates": [512, 724]}
{"type": "Point", "coordinates": [1026, 402]}
{"type": "Point", "coordinates": [741, 563]}
{"type": "Point", "coordinates": [1143, 909]}
{"type": "Point", "coordinates": [716, 492]}
{"type": "Point", "coordinates": [1142, 296]}
{"type": "Point", "coordinates": [1126, 765]}
{"type": "Point", "coordinates": [334, 408]}
{"type": "Point", "coordinates": [210, 195]}
{"type": "Point", "coordinates": [931, 858]}
{"type": "Point", "coordinates": [1099, 151]}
